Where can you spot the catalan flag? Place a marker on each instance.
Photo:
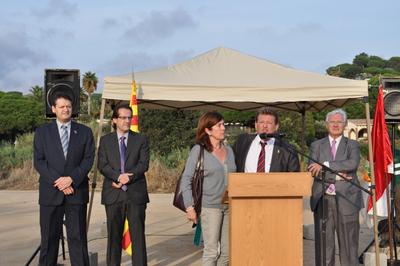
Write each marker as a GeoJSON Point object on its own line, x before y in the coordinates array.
{"type": "Point", "coordinates": [133, 104]}
{"type": "Point", "coordinates": [126, 238]}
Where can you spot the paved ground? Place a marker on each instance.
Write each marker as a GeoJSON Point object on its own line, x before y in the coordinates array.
{"type": "Point", "coordinates": [169, 237]}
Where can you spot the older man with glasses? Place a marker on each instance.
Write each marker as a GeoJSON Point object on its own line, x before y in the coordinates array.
{"type": "Point", "coordinates": [342, 200]}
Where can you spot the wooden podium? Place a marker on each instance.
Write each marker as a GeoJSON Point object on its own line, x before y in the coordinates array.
{"type": "Point", "coordinates": [266, 218]}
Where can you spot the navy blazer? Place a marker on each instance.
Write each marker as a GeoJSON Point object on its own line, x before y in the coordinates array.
{"type": "Point", "coordinates": [283, 160]}
{"type": "Point", "coordinates": [136, 162]}
{"type": "Point", "coordinates": [49, 161]}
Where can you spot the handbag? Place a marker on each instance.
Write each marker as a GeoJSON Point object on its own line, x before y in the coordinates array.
{"type": "Point", "coordinates": [197, 186]}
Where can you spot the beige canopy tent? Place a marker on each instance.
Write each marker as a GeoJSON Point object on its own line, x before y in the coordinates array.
{"type": "Point", "coordinates": [227, 79]}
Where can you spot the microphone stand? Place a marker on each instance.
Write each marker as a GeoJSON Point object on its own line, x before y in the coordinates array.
{"type": "Point", "coordinates": [324, 186]}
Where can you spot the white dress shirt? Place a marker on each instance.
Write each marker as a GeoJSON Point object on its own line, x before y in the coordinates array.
{"type": "Point", "coordinates": [254, 152]}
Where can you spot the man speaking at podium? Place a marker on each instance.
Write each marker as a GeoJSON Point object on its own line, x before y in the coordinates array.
{"type": "Point", "coordinates": [264, 152]}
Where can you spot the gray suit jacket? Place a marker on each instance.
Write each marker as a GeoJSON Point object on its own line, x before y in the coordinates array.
{"type": "Point", "coordinates": [348, 196]}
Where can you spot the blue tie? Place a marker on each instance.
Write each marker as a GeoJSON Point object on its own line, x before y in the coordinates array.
{"type": "Point", "coordinates": [122, 152]}
{"type": "Point", "coordinates": [64, 139]}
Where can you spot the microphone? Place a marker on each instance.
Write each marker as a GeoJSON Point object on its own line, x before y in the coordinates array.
{"type": "Point", "coordinates": [272, 135]}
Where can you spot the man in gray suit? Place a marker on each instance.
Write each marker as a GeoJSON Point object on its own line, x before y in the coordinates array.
{"type": "Point", "coordinates": [343, 200]}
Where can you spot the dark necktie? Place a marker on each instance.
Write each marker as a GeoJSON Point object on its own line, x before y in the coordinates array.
{"type": "Point", "coordinates": [261, 158]}
{"type": "Point", "coordinates": [122, 153]}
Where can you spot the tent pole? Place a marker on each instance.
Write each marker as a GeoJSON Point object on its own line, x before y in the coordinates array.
{"type": "Point", "coordinates": [100, 130]}
{"type": "Point", "coordinates": [371, 165]}
{"type": "Point", "coordinates": [303, 142]}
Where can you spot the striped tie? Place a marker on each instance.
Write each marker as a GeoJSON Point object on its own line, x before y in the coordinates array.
{"type": "Point", "coordinates": [261, 158]}
{"type": "Point", "coordinates": [64, 139]}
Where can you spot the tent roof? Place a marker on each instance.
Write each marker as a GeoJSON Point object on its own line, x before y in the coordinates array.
{"type": "Point", "coordinates": [227, 79]}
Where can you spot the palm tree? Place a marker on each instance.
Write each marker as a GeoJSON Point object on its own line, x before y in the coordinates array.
{"type": "Point", "coordinates": [37, 93]}
{"type": "Point", "coordinates": [89, 82]}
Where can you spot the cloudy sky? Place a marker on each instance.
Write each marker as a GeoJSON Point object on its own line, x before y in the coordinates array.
{"type": "Point", "coordinates": [109, 37]}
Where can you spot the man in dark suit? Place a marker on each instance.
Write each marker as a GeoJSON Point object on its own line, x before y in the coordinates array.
{"type": "Point", "coordinates": [342, 200]}
{"type": "Point", "coordinates": [63, 156]}
{"type": "Point", "coordinates": [123, 158]}
{"type": "Point", "coordinates": [253, 154]}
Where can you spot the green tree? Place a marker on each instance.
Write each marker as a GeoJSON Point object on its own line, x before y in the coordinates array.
{"type": "Point", "coordinates": [242, 117]}
{"type": "Point", "coordinates": [394, 63]}
{"type": "Point", "coordinates": [89, 83]}
{"type": "Point", "coordinates": [345, 71]}
{"type": "Point", "coordinates": [361, 60]}
{"type": "Point", "coordinates": [37, 94]}
{"type": "Point", "coordinates": [168, 130]}
{"type": "Point", "coordinates": [18, 115]}
{"type": "Point", "coordinates": [376, 61]}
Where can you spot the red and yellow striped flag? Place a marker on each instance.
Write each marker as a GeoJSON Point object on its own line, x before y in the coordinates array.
{"type": "Point", "coordinates": [126, 238]}
{"type": "Point", "coordinates": [133, 104]}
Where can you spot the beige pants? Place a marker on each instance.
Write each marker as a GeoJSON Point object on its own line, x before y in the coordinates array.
{"type": "Point", "coordinates": [215, 229]}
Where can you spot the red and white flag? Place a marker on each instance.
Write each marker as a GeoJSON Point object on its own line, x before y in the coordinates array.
{"type": "Point", "coordinates": [383, 157]}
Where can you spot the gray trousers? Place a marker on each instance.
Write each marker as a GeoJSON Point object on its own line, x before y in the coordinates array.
{"type": "Point", "coordinates": [215, 229]}
{"type": "Point", "coordinates": [347, 228]}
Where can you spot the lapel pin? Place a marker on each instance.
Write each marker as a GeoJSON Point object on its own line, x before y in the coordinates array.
{"type": "Point", "coordinates": [75, 132]}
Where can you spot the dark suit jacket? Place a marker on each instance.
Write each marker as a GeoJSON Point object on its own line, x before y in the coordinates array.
{"type": "Point", "coordinates": [283, 160]}
{"type": "Point", "coordinates": [136, 162]}
{"type": "Point", "coordinates": [347, 159]}
{"type": "Point", "coordinates": [49, 161]}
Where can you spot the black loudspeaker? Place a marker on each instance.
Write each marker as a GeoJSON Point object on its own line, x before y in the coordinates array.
{"type": "Point", "coordinates": [62, 81]}
{"type": "Point", "coordinates": [391, 98]}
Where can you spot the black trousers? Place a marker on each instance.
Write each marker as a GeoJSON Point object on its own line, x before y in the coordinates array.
{"type": "Point", "coordinates": [136, 215]}
{"type": "Point", "coordinates": [51, 222]}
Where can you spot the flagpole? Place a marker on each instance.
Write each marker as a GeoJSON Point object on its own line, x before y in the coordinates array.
{"type": "Point", "coordinates": [94, 181]}
{"type": "Point", "coordinates": [389, 220]}
{"type": "Point", "coordinates": [371, 165]}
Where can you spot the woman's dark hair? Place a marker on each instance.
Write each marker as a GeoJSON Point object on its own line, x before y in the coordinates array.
{"type": "Point", "coordinates": [207, 120]}
{"type": "Point", "coordinates": [116, 111]}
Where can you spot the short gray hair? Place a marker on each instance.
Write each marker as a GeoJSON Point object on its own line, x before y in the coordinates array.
{"type": "Point", "coordinates": [335, 112]}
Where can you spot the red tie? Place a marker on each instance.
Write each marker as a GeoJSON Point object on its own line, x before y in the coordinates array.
{"type": "Point", "coordinates": [261, 158]}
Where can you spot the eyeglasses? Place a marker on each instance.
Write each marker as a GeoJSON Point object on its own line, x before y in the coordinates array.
{"type": "Point", "coordinates": [335, 122]}
{"type": "Point", "coordinates": [125, 117]}
{"type": "Point", "coordinates": [265, 123]}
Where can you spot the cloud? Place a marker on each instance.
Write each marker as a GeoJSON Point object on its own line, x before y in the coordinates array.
{"type": "Point", "coordinates": [159, 25]}
{"type": "Point", "coordinates": [18, 59]}
{"type": "Point", "coordinates": [56, 8]}
{"type": "Point", "coordinates": [108, 23]}
{"type": "Point", "coordinates": [52, 34]}
{"type": "Point", "coordinates": [123, 63]}
{"type": "Point", "coordinates": [140, 61]}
